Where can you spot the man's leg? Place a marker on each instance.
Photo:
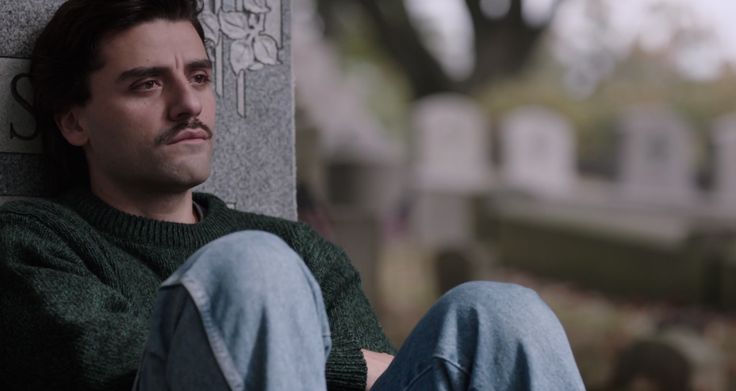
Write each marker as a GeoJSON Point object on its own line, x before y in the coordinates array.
{"type": "Point", "coordinates": [485, 336]}
{"type": "Point", "coordinates": [244, 312]}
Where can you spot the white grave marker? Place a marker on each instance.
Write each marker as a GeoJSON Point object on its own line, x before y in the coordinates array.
{"type": "Point", "coordinates": [452, 145]}
{"type": "Point", "coordinates": [538, 152]}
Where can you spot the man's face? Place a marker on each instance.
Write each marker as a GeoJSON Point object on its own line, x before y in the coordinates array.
{"type": "Point", "coordinates": [147, 126]}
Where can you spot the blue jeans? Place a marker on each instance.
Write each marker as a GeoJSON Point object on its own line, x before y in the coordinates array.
{"type": "Point", "coordinates": [245, 313]}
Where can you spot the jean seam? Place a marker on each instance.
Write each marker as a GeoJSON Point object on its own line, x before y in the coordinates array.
{"type": "Point", "coordinates": [429, 368]}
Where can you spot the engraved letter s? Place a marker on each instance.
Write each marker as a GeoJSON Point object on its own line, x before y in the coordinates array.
{"type": "Point", "coordinates": [25, 105]}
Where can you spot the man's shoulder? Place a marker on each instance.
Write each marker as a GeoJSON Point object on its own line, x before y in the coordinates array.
{"type": "Point", "coordinates": [39, 218]}
{"type": "Point", "coordinates": [41, 208]}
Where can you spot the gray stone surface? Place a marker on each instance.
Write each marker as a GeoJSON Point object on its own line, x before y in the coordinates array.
{"type": "Point", "coordinates": [254, 154]}
{"type": "Point", "coordinates": [18, 122]}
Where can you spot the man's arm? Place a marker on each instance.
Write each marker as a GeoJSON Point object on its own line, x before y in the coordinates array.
{"type": "Point", "coordinates": [353, 323]}
{"type": "Point", "coordinates": [60, 327]}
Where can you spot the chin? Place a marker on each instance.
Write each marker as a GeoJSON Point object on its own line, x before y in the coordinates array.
{"type": "Point", "coordinates": [197, 179]}
{"type": "Point", "coordinates": [184, 181]}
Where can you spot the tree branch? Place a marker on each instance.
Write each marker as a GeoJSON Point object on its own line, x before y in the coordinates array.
{"type": "Point", "coordinates": [401, 40]}
{"type": "Point", "coordinates": [502, 46]}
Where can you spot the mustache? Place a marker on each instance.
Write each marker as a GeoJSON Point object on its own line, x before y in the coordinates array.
{"type": "Point", "coordinates": [167, 135]}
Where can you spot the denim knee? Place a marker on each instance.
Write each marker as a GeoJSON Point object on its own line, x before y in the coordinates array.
{"type": "Point", "coordinates": [247, 259]}
{"type": "Point", "coordinates": [489, 293]}
{"type": "Point", "coordinates": [487, 335]}
{"type": "Point", "coordinates": [257, 303]}
{"type": "Point", "coordinates": [509, 307]}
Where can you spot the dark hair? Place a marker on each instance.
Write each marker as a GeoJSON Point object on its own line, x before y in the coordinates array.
{"type": "Point", "coordinates": [67, 52]}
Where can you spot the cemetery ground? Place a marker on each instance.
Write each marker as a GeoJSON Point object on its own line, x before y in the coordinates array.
{"type": "Point", "coordinates": [611, 337]}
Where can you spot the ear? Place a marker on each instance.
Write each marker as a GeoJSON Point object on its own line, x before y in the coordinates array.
{"type": "Point", "coordinates": [71, 127]}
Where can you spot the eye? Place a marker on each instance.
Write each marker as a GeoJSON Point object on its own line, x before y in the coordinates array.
{"type": "Point", "coordinates": [201, 78]}
{"type": "Point", "coordinates": [146, 85]}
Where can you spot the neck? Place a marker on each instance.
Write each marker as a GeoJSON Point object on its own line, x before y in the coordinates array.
{"type": "Point", "coordinates": [175, 207]}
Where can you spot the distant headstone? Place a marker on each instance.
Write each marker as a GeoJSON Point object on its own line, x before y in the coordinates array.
{"type": "Point", "coordinates": [452, 148]}
{"type": "Point", "coordinates": [656, 159]}
{"type": "Point", "coordinates": [723, 136]}
{"type": "Point", "coordinates": [253, 167]}
{"type": "Point", "coordinates": [538, 152]}
{"type": "Point", "coordinates": [451, 166]}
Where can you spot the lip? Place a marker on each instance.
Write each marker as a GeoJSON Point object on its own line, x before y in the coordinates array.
{"type": "Point", "coordinates": [190, 135]}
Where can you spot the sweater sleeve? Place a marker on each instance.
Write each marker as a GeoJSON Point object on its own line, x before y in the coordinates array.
{"type": "Point", "coordinates": [353, 324]}
{"type": "Point", "coordinates": [60, 326]}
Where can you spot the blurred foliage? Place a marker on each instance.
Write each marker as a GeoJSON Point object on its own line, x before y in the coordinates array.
{"type": "Point", "coordinates": [389, 88]}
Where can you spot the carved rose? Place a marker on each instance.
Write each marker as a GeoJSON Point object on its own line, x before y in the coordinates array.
{"type": "Point", "coordinates": [235, 24]}
{"type": "Point", "coordinates": [250, 49]}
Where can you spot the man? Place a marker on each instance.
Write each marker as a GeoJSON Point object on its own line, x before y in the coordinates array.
{"type": "Point", "coordinates": [130, 280]}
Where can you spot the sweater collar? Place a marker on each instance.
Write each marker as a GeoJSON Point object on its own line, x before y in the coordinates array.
{"type": "Point", "coordinates": [124, 226]}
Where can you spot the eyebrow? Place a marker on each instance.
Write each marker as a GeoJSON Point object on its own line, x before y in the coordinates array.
{"type": "Point", "coordinates": [142, 72]}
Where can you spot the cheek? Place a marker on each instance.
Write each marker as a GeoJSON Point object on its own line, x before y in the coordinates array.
{"type": "Point", "coordinates": [133, 123]}
{"type": "Point", "coordinates": [118, 139]}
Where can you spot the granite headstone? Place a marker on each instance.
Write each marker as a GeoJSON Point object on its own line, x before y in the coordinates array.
{"type": "Point", "coordinates": [538, 152]}
{"type": "Point", "coordinates": [656, 162]}
{"type": "Point", "coordinates": [452, 147]}
{"type": "Point", "coordinates": [250, 45]}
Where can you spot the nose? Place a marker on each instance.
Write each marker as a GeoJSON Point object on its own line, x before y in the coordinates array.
{"type": "Point", "coordinates": [185, 101]}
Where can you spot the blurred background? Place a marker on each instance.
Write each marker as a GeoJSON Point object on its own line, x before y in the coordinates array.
{"type": "Point", "coordinates": [584, 148]}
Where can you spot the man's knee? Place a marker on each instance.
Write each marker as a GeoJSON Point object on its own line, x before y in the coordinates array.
{"type": "Point", "coordinates": [493, 294]}
{"type": "Point", "coordinates": [249, 260]}
{"type": "Point", "coordinates": [501, 306]}
{"type": "Point", "coordinates": [253, 251]}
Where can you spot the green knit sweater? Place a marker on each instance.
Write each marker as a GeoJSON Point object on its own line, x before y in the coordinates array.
{"type": "Point", "coordinates": [78, 280]}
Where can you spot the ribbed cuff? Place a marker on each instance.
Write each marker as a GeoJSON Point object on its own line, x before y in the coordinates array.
{"type": "Point", "coordinates": [346, 368]}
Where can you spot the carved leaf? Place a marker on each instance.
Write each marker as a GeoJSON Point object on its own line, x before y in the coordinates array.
{"type": "Point", "coordinates": [211, 51]}
{"type": "Point", "coordinates": [211, 26]}
{"type": "Point", "coordinates": [241, 55]}
{"type": "Point", "coordinates": [256, 6]}
{"type": "Point", "coordinates": [234, 24]}
{"type": "Point", "coordinates": [266, 50]}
